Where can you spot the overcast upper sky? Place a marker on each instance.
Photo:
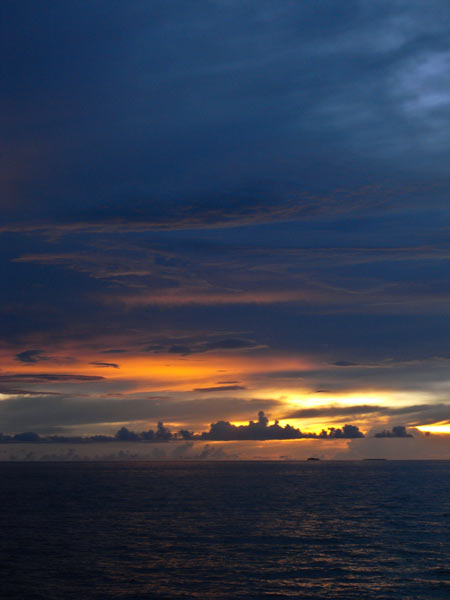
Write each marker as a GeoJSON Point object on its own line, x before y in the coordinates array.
{"type": "Point", "coordinates": [214, 208]}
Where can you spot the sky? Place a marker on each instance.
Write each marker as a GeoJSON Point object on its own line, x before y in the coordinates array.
{"type": "Point", "coordinates": [214, 208]}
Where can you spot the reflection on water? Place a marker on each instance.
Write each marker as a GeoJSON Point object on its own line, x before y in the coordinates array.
{"type": "Point", "coordinates": [225, 530]}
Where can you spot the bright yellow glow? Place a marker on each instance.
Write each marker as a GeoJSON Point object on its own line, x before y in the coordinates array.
{"type": "Point", "coordinates": [358, 398]}
{"type": "Point", "coordinates": [440, 428]}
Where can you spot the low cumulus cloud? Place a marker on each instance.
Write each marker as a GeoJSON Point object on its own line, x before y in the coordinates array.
{"type": "Point", "coordinates": [262, 430]}
{"type": "Point", "coordinates": [220, 431]}
{"type": "Point", "coordinates": [398, 431]}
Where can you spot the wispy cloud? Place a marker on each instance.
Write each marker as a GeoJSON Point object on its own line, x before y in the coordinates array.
{"type": "Point", "coordinates": [194, 297]}
{"type": "Point", "coordinates": [46, 377]}
{"type": "Point", "coordinates": [220, 388]}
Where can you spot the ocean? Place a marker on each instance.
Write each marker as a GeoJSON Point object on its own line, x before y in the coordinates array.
{"type": "Point", "coordinates": [217, 530]}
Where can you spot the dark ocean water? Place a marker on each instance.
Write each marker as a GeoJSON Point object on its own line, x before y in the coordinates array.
{"type": "Point", "coordinates": [217, 530]}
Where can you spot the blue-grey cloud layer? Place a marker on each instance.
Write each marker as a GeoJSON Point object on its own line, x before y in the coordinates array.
{"type": "Point", "coordinates": [228, 176]}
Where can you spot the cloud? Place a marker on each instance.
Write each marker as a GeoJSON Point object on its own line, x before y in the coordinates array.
{"type": "Point", "coordinates": [261, 430]}
{"type": "Point", "coordinates": [220, 431]}
{"type": "Point", "coordinates": [37, 413]}
{"type": "Point", "coordinates": [346, 363]}
{"type": "Point", "coordinates": [333, 411]}
{"type": "Point", "coordinates": [384, 376]}
{"type": "Point", "coordinates": [416, 414]}
{"type": "Point", "coordinates": [228, 211]}
{"type": "Point", "coordinates": [371, 83]}
{"type": "Point", "coordinates": [295, 206]}
{"type": "Point", "coordinates": [372, 77]}
{"type": "Point", "coordinates": [189, 345]}
{"type": "Point", "coordinates": [220, 388]}
{"type": "Point", "coordinates": [47, 377]}
{"type": "Point", "coordinates": [175, 349]}
{"type": "Point", "coordinates": [8, 390]}
{"type": "Point", "coordinates": [199, 297]}
{"type": "Point", "coordinates": [230, 344]}
{"type": "Point", "coordinates": [31, 356]}
{"type": "Point", "coordinates": [398, 431]}
{"type": "Point", "coordinates": [96, 265]}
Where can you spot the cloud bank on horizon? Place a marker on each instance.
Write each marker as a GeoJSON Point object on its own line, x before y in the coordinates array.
{"type": "Point", "coordinates": [210, 211]}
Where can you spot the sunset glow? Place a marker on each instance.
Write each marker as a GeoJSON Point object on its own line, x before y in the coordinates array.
{"type": "Point", "coordinates": [225, 299]}
{"type": "Point", "coordinates": [438, 428]}
{"type": "Point", "coordinates": [208, 228]}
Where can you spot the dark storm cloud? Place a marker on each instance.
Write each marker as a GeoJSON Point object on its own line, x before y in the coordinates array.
{"type": "Point", "coordinates": [229, 95]}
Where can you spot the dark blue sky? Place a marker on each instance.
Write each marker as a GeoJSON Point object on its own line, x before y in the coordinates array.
{"type": "Point", "coordinates": [240, 191]}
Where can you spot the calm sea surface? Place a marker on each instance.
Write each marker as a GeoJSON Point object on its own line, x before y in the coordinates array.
{"type": "Point", "coordinates": [217, 530]}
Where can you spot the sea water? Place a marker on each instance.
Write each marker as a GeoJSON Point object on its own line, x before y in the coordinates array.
{"type": "Point", "coordinates": [216, 530]}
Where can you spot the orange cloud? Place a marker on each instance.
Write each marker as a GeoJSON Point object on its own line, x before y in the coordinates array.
{"type": "Point", "coordinates": [153, 372]}
{"type": "Point", "coordinates": [178, 297]}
